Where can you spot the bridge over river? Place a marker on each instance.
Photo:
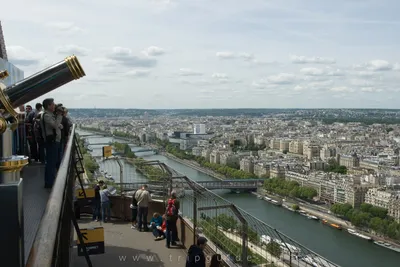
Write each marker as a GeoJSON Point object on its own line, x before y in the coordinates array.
{"type": "Point", "coordinates": [236, 184]}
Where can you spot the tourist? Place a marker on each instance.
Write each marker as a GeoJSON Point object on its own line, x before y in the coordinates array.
{"type": "Point", "coordinates": [171, 213]}
{"type": "Point", "coordinates": [105, 204]}
{"type": "Point", "coordinates": [30, 121]}
{"type": "Point", "coordinates": [64, 134]}
{"type": "Point", "coordinates": [155, 224]}
{"type": "Point", "coordinates": [216, 260]}
{"type": "Point", "coordinates": [38, 133]}
{"type": "Point", "coordinates": [97, 201]}
{"type": "Point", "coordinates": [134, 207]}
{"type": "Point", "coordinates": [143, 198]}
{"type": "Point", "coordinates": [51, 130]}
{"type": "Point", "coordinates": [196, 256]}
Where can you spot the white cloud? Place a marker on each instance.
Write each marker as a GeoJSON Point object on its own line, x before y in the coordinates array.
{"type": "Point", "coordinates": [137, 73]}
{"type": "Point", "coordinates": [201, 82]}
{"type": "Point", "coordinates": [342, 89]}
{"type": "Point", "coordinates": [312, 71]}
{"type": "Point", "coordinates": [65, 27]}
{"type": "Point", "coordinates": [281, 78]}
{"type": "Point", "coordinates": [124, 56]}
{"type": "Point", "coordinates": [248, 42]}
{"type": "Point", "coordinates": [374, 65]}
{"type": "Point", "coordinates": [189, 72]}
{"type": "Point", "coordinates": [154, 51]}
{"type": "Point", "coordinates": [72, 50]}
{"type": "Point", "coordinates": [299, 88]}
{"type": "Point", "coordinates": [322, 72]}
{"type": "Point", "coordinates": [21, 56]}
{"type": "Point", "coordinates": [370, 90]}
{"type": "Point", "coordinates": [311, 60]}
{"type": "Point", "coordinates": [247, 56]}
{"type": "Point", "coordinates": [219, 75]}
{"type": "Point", "coordinates": [225, 55]}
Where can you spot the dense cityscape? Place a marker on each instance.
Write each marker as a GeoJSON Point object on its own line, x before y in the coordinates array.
{"type": "Point", "coordinates": [353, 168]}
{"type": "Point", "coordinates": [200, 133]}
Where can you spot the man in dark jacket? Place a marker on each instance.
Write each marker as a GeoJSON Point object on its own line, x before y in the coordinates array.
{"type": "Point", "coordinates": [196, 257]}
{"type": "Point", "coordinates": [96, 201]}
{"type": "Point", "coordinates": [171, 219]}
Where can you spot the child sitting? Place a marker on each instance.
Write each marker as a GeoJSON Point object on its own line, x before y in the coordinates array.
{"type": "Point", "coordinates": [162, 229]}
{"type": "Point", "coordinates": [155, 223]}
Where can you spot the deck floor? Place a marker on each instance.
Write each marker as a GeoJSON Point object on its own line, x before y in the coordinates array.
{"type": "Point", "coordinates": [128, 247]}
{"type": "Point", "coordinates": [35, 198]}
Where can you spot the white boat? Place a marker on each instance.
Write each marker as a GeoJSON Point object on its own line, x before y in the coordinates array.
{"type": "Point", "coordinates": [260, 197]}
{"type": "Point", "coordinates": [354, 232]}
{"type": "Point", "coordinates": [302, 212]}
{"type": "Point", "coordinates": [312, 217]}
{"type": "Point", "coordinates": [109, 176]}
{"type": "Point", "coordinates": [387, 245]}
{"type": "Point", "coordinates": [267, 198]}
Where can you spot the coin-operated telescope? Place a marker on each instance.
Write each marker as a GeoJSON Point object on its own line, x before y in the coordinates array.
{"type": "Point", "coordinates": [11, 97]}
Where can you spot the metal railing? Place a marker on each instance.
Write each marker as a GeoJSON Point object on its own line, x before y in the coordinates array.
{"type": "Point", "coordinates": [54, 237]}
{"type": "Point", "coordinates": [240, 237]}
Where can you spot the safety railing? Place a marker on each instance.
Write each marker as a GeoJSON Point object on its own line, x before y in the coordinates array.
{"type": "Point", "coordinates": [53, 239]}
{"type": "Point", "coordinates": [235, 234]}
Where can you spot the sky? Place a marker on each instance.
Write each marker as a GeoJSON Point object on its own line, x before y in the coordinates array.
{"type": "Point", "coordinates": [212, 53]}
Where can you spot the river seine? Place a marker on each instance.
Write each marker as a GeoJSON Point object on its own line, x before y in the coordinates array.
{"type": "Point", "coordinates": [337, 246]}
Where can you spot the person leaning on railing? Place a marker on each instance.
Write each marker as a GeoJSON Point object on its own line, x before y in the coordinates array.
{"type": "Point", "coordinates": [51, 131]}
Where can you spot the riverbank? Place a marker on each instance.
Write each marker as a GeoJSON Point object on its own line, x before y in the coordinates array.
{"type": "Point", "coordinates": [323, 215]}
{"type": "Point", "coordinates": [194, 165]}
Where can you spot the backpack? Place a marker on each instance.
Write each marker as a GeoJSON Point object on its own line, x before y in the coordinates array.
{"type": "Point", "coordinates": [171, 209]}
{"type": "Point", "coordinates": [37, 130]}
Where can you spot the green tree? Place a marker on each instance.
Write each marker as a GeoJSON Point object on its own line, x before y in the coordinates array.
{"type": "Point", "coordinates": [226, 222]}
{"type": "Point", "coordinates": [295, 207]}
{"type": "Point", "coordinates": [274, 248]}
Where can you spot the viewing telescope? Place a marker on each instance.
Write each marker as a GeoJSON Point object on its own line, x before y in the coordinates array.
{"type": "Point", "coordinates": [37, 85]}
{"type": "Point", "coordinates": [19, 94]}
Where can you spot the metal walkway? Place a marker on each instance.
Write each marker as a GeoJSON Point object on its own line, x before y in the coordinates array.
{"type": "Point", "coordinates": [35, 198]}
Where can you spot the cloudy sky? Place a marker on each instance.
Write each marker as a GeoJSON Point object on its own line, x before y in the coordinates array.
{"type": "Point", "coordinates": [213, 53]}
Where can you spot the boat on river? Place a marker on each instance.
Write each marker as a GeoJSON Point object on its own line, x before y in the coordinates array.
{"type": "Point", "coordinates": [354, 232]}
{"type": "Point", "coordinates": [387, 245]}
{"type": "Point", "coordinates": [312, 217]}
{"type": "Point", "coordinates": [333, 225]}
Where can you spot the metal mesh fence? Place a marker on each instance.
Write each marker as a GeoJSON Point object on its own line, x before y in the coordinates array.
{"type": "Point", "coordinates": [239, 237]}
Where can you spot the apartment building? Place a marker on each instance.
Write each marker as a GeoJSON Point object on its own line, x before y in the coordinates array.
{"type": "Point", "coordinates": [206, 154]}
{"type": "Point", "coordinates": [196, 151]}
{"type": "Point", "coordinates": [296, 147]}
{"type": "Point", "coordinates": [275, 144]}
{"type": "Point", "coordinates": [247, 165]}
{"type": "Point", "coordinates": [215, 157]}
{"type": "Point", "coordinates": [228, 159]}
{"type": "Point", "coordinates": [380, 197]}
{"type": "Point", "coordinates": [262, 169]}
{"type": "Point", "coordinates": [317, 165]}
{"type": "Point", "coordinates": [284, 145]}
{"type": "Point", "coordinates": [332, 188]}
{"type": "Point", "coordinates": [277, 171]}
{"type": "Point", "coordinates": [311, 151]}
{"type": "Point", "coordinates": [349, 160]}
{"type": "Point", "coordinates": [327, 152]}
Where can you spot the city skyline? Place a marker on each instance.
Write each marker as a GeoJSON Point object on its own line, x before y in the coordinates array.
{"type": "Point", "coordinates": [213, 54]}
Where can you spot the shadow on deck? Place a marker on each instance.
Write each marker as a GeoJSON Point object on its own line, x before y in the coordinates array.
{"type": "Point", "coordinates": [128, 247]}
{"type": "Point", "coordinates": [35, 198]}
